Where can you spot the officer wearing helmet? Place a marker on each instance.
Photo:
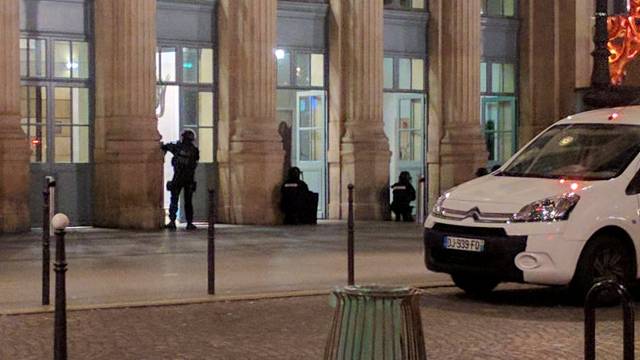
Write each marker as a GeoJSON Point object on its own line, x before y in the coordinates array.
{"type": "Point", "coordinates": [184, 162]}
{"type": "Point", "coordinates": [403, 194]}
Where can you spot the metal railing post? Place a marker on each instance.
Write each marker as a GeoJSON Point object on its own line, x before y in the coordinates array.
{"type": "Point", "coordinates": [350, 239]}
{"type": "Point", "coordinates": [46, 253]}
{"type": "Point", "coordinates": [591, 302]}
{"type": "Point", "coordinates": [60, 222]}
{"type": "Point", "coordinates": [420, 201]}
{"type": "Point", "coordinates": [211, 246]}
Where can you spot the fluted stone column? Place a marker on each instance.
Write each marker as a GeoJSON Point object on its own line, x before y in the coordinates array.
{"type": "Point", "coordinates": [250, 154]}
{"type": "Point", "coordinates": [456, 140]}
{"type": "Point", "coordinates": [358, 148]}
{"type": "Point", "coordinates": [14, 146]}
{"type": "Point", "coordinates": [128, 180]}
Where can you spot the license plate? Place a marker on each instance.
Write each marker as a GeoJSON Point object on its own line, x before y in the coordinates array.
{"type": "Point", "coordinates": [464, 244]}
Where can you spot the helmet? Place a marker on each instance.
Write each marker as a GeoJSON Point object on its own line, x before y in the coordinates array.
{"type": "Point", "coordinates": [294, 173]}
{"type": "Point", "coordinates": [405, 176]}
{"type": "Point", "coordinates": [188, 135]}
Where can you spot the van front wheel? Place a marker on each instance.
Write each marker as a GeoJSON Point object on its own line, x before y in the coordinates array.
{"type": "Point", "coordinates": [474, 285]}
{"type": "Point", "coordinates": [604, 257]}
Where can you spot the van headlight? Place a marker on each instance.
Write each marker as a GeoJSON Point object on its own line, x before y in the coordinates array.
{"type": "Point", "coordinates": [438, 209]}
{"type": "Point", "coordinates": [549, 209]}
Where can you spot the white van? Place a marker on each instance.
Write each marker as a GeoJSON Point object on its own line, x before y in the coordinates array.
{"type": "Point", "coordinates": [565, 210]}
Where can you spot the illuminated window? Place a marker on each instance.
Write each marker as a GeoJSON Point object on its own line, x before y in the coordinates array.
{"type": "Point", "coordinates": [54, 110]}
{"type": "Point", "coordinates": [33, 101]}
{"type": "Point", "coordinates": [185, 97]}
{"type": "Point", "coordinates": [405, 4]}
{"type": "Point", "coordinates": [71, 129]}
{"type": "Point", "coordinates": [70, 59]}
{"type": "Point", "coordinates": [503, 78]}
{"type": "Point", "coordinates": [299, 69]}
{"type": "Point", "coordinates": [498, 8]}
{"type": "Point", "coordinates": [197, 65]}
{"type": "Point", "coordinates": [166, 64]}
{"type": "Point", "coordinates": [483, 77]}
{"type": "Point", "coordinates": [410, 74]}
{"type": "Point", "coordinates": [283, 60]}
{"type": "Point", "coordinates": [33, 58]}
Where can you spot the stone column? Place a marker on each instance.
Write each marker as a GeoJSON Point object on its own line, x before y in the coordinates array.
{"type": "Point", "coordinates": [454, 81]}
{"type": "Point", "coordinates": [548, 82]}
{"type": "Point", "coordinates": [250, 154]}
{"type": "Point", "coordinates": [14, 146]}
{"type": "Point", "coordinates": [358, 148]}
{"type": "Point", "coordinates": [128, 180]}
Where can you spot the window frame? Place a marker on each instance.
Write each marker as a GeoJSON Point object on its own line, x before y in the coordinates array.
{"type": "Point", "coordinates": [396, 73]}
{"type": "Point", "coordinates": [50, 82]}
{"type": "Point", "coordinates": [293, 54]}
{"type": "Point", "coordinates": [197, 86]}
{"type": "Point", "coordinates": [484, 10]}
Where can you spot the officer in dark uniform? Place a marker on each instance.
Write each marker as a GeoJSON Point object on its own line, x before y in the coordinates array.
{"type": "Point", "coordinates": [403, 194]}
{"type": "Point", "coordinates": [184, 162]}
{"type": "Point", "coordinates": [294, 198]}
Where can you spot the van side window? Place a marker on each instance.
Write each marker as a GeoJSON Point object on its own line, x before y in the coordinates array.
{"type": "Point", "coordinates": [634, 185]}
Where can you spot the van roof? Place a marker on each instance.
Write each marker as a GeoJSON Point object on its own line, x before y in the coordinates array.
{"type": "Point", "coordinates": [627, 115]}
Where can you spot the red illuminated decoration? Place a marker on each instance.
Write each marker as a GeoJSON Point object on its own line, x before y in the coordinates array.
{"type": "Point", "coordinates": [624, 41]}
{"type": "Point", "coordinates": [35, 141]}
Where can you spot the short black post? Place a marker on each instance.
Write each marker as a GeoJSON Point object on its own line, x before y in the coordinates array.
{"type": "Point", "coordinates": [46, 253]}
{"type": "Point", "coordinates": [60, 222]}
{"type": "Point", "coordinates": [211, 245]}
{"type": "Point", "coordinates": [350, 264]}
{"type": "Point", "coordinates": [590, 319]}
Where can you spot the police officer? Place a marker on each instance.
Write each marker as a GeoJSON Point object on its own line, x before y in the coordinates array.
{"type": "Point", "coordinates": [403, 194]}
{"type": "Point", "coordinates": [184, 162]}
{"type": "Point", "coordinates": [294, 194]}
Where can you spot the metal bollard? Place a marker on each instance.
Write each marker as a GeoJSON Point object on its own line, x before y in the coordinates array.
{"type": "Point", "coordinates": [590, 319]}
{"type": "Point", "coordinates": [211, 245]}
{"type": "Point", "coordinates": [376, 323]}
{"type": "Point", "coordinates": [46, 253]}
{"type": "Point", "coordinates": [350, 245]}
{"type": "Point", "coordinates": [420, 200]}
{"type": "Point", "coordinates": [60, 222]}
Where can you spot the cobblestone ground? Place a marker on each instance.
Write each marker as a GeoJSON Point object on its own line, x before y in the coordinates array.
{"type": "Point", "coordinates": [516, 322]}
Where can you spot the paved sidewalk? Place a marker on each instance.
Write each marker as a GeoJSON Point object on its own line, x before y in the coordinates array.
{"type": "Point", "coordinates": [108, 267]}
{"type": "Point", "coordinates": [515, 323]}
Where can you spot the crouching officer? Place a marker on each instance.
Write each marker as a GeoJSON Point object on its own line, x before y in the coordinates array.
{"type": "Point", "coordinates": [297, 202]}
{"type": "Point", "coordinates": [184, 162]}
{"type": "Point", "coordinates": [403, 194]}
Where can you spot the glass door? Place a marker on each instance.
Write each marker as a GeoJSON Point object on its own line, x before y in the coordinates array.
{"type": "Point", "coordinates": [410, 139]}
{"type": "Point", "coordinates": [498, 124]}
{"type": "Point", "coordinates": [56, 119]}
{"type": "Point", "coordinates": [309, 142]}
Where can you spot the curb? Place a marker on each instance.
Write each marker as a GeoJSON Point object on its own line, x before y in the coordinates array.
{"type": "Point", "coordinates": [194, 301]}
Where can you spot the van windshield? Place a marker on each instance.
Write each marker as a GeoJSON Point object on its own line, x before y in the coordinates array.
{"type": "Point", "coordinates": [578, 151]}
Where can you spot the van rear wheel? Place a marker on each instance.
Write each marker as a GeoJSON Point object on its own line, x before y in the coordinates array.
{"type": "Point", "coordinates": [604, 257]}
{"type": "Point", "coordinates": [474, 285]}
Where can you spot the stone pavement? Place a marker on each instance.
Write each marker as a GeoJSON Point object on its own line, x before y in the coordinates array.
{"type": "Point", "coordinates": [516, 322]}
{"type": "Point", "coordinates": [108, 267]}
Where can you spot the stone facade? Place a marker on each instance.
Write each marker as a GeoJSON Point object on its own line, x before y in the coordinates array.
{"type": "Point", "coordinates": [127, 177]}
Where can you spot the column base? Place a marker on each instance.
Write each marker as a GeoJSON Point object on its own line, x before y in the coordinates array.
{"type": "Point", "coordinates": [15, 176]}
{"type": "Point", "coordinates": [366, 166]}
{"type": "Point", "coordinates": [249, 191]}
{"type": "Point", "coordinates": [128, 189]}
